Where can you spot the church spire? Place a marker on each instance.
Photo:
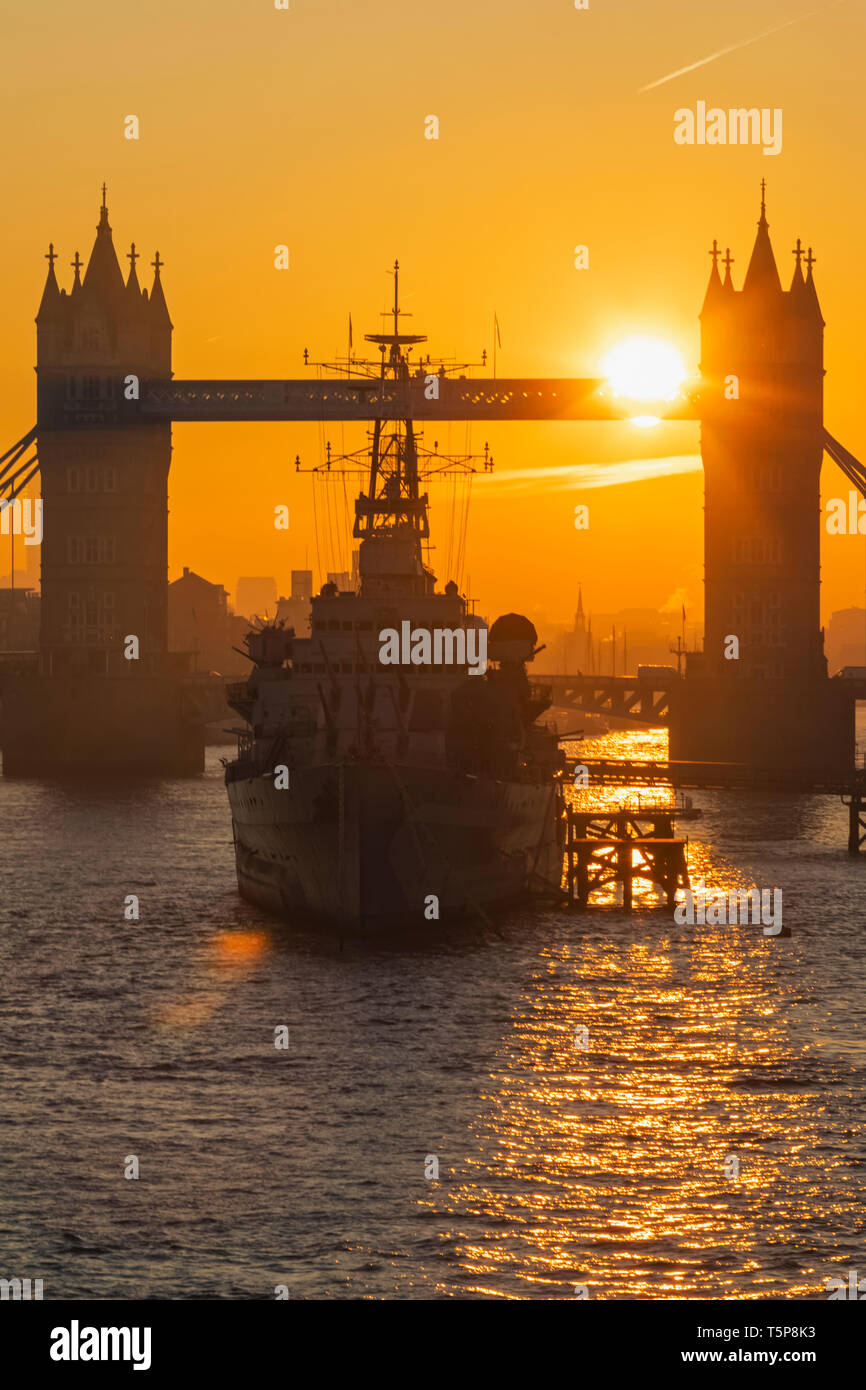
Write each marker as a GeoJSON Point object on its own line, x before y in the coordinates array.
{"type": "Point", "coordinates": [578, 617]}
{"type": "Point", "coordinates": [762, 276]}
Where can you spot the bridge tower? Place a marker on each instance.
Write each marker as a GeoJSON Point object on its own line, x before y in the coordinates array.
{"type": "Point", "coordinates": [759, 692]}
{"type": "Point", "coordinates": [94, 703]}
{"type": "Point", "coordinates": [762, 355]}
{"type": "Point", "coordinates": [104, 475]}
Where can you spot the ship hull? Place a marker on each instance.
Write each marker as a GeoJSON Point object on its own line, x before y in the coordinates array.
{"type": "Point", "coordinates": [367, 846]}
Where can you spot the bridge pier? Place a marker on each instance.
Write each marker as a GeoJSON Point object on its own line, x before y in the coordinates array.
{"type": "Point", "coordinates": [771, 725]}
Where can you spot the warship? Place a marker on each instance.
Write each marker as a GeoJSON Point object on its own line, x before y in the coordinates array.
{"type": "Point", "coordinates": [392, 768]}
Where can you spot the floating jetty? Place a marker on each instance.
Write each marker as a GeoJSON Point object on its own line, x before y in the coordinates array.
{"type": "Point", "coordinates": [604, 848]}
{"type": "Point", "coordinates": [608, 846]}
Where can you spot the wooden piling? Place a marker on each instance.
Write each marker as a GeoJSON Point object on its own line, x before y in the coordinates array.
{"type": "Point", "coordinates": [605, 848]}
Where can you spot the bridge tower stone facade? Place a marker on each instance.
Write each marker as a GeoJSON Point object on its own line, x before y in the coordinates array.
{"type": "Point", "coordinates": [759, 692]}
{"type": "Point", "coordinates": [104, 473]}
{"type": "Point", "coordinates": [88, 708]}
{"type": "Point", "coordinates": [762, 358]}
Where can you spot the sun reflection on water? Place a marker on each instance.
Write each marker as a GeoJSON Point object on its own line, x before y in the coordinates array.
{"type": "Point", "coordinates": [606, 1167]}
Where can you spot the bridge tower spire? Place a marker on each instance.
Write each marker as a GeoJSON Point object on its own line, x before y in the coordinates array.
{"type": "Point", "coordinates": [762, 276]}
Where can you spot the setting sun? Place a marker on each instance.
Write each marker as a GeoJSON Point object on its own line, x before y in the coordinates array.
{"type": "Point", "coordinates": [644, 369]}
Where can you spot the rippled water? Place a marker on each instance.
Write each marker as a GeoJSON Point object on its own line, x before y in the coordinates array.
{"type": "Point", "coordinates": [306, 1167]}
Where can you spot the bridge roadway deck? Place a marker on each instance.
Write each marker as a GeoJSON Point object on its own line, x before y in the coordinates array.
{"type": "Point", "coordinates": [643, 699]}
{"type": "Point", "coordinates": [355, 398]}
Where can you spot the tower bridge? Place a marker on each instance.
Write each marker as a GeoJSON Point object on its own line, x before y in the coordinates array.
{"type": "Point", "coordinates": [106, 402]}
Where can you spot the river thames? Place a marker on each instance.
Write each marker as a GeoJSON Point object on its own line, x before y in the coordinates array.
{"type": "Point", "coordinates": [561, 1168]}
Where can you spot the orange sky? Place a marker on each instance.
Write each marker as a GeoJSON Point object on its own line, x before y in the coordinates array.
{"type": "Point", "coordinates": [261, 126]}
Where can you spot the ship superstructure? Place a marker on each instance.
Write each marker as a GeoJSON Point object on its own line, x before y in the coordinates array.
{"type": "Point", "coordinates": [366, 793]}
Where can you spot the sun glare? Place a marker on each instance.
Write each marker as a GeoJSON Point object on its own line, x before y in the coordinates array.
{"type": "Point", "coordinates": [644, 369]}
{"type": "Point", "coordinates": [644, 422]}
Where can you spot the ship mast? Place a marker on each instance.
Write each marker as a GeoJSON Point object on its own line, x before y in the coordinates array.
{"type": "Point", "coordinates": [392, 498]}
{"type": "Point", "coordinates": [395, 462]}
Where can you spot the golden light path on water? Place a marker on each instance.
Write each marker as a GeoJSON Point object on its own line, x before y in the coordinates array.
{"type": "Point", "coordinates": [606, 1168]}
{"type": "Point", "coordinates": [228, 958]}
{"type": "Point", "coordinates": [710, 873]}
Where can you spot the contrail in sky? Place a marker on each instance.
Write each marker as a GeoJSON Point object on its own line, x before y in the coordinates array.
{"type": "Point", "coordinates": [744, 43]}
{"type": "Point", "coordinates": [586, 475]}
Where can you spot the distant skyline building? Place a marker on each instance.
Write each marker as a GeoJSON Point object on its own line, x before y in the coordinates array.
{"type": "Point", "coordinates": [342, 579]}
{"type": "Point", "coordinates": [846, 639]}
{"type": "Point", "coordinates": [602, 644]}
{"type": "Point", "coordinates": [200, 622]}
{"type": "Point", "coordinates": [256, 596]}
{"type": "Point", "coordinates": [295, 611]}
{"type": "Point", "coordinates": [302, 584]}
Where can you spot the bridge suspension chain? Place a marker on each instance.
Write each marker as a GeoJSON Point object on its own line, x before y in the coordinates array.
{"type": "Point", "coordinates": [11, 481]}
{"type": "Point", "coordinates": [851, 467]}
